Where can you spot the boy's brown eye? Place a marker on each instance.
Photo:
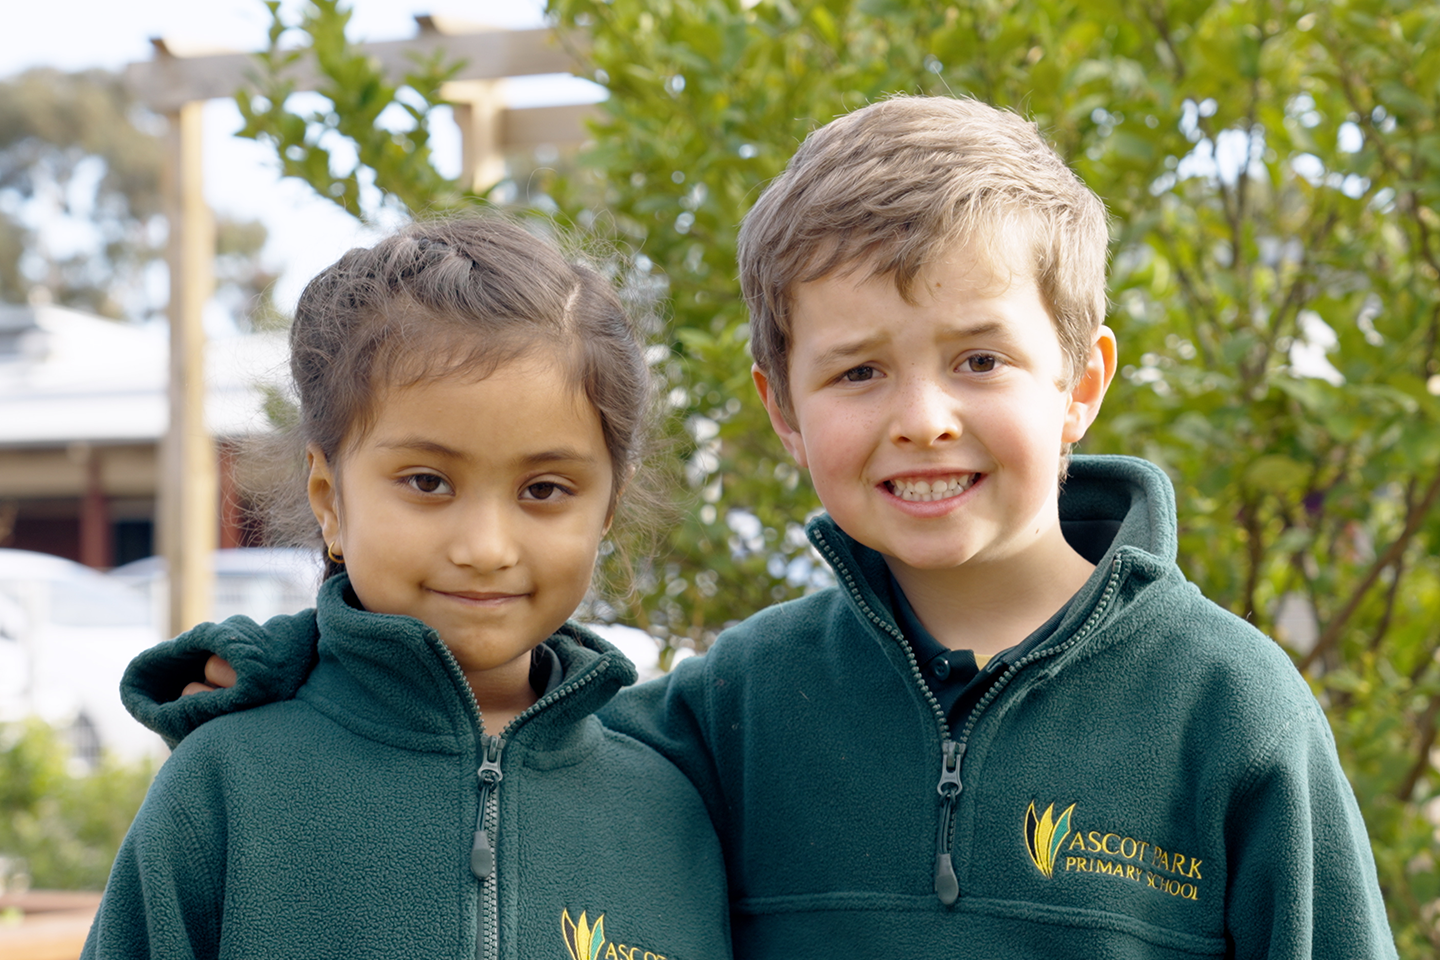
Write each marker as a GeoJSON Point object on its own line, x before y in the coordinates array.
{"type": "Point", "coordinates": [542, 491]}
{"type": "Point", "coordinates": [859, 374]}
{"type": "Point", "coordinates": [981, 364]}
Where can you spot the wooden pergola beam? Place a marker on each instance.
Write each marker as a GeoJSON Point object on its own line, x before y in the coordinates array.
{"type": "Point", "coordinates": [168, 81]}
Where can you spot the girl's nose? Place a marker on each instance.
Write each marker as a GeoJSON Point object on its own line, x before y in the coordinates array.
{"type": "Point", "coordinates": [926, 414]}
{"type": "Point", "coordinates": [485, 541]}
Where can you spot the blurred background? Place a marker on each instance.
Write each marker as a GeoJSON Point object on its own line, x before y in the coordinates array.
{"type": "Point", "coordinates": [1273, 172]}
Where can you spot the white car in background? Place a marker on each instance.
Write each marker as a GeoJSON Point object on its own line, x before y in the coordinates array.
{"type": "Point", "coordinates": [66, 634]}
{"type": "Point", "coordinates": [258, 582]}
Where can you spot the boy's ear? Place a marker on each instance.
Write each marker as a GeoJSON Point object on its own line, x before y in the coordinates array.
{"type": "Point", "coordinates": [1087, 394]}
{"type": "Point", "coordinates": [324, 494]}
{"type": "Point", "coordinates": [789, 436]}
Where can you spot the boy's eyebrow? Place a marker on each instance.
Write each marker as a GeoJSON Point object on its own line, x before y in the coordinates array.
{"type": "Point", "coordinates": [846, 351]}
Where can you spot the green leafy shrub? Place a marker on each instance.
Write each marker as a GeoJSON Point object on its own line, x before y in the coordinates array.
{"type": "Point", "coordinates": [66, 823]}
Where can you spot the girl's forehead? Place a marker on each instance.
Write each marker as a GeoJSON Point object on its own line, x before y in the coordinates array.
{"type": "Point", "coordinates": [516, 413]}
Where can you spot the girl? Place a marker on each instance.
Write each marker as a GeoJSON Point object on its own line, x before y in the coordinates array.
{"type": "Point", "coordinates": [471, 406]}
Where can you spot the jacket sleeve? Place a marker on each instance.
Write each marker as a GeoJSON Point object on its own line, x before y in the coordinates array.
{"type": "Point", "coordinates": [673, 716]}
{"type": "Point", "coordinates": [165, 894]}
{"type": "Point", "coordinates": [270, 661]}
{"type": "Point", "coordinates": [1302, 875]}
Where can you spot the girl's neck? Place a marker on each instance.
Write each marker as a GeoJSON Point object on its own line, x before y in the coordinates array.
{"type": "Point", "coordinates": [502, 693]}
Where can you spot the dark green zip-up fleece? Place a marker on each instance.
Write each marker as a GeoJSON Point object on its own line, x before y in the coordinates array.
{"type": "Point", "coordinates": [1155, 780]}
{"type": "Point", "coordinates": [343, 823]}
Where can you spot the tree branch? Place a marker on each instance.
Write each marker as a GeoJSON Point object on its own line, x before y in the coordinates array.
{"type": "Point", "coordinates": [1413, 519]}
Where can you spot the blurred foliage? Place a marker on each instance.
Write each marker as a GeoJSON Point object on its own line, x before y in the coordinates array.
{"type": "Point", "coordinates": [80, 205]}
{"type": "Point", "coordinates": [67, 824]}
{"type": "Point", "coordinates": [1273, 167]}
{"type": "Point", "coordinates": [357, 93]}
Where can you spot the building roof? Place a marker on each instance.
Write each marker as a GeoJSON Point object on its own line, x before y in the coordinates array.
{"type": "Point", "coordinates": [69, 377]}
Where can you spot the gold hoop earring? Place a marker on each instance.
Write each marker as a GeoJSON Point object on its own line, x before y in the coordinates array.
{"type": "Point", "coordinates": [334, 557]}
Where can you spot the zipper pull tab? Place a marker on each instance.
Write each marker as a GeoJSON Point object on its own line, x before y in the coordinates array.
{"type": "Point", "coordinates": [947, 885]}
{"type": "Point", "coordinates": [482, 854]}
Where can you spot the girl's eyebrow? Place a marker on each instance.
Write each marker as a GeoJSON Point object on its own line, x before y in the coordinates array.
{"type": "Point", "coordinates": [423, 445]}
{"type": "Point", "coordinates": [558, 455]}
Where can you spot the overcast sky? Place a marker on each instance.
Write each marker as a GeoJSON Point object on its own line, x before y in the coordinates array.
{"type": "Point", "coordinates": [306, 233]}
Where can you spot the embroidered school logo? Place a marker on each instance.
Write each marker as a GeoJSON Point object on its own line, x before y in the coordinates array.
{"type": "Point", "coordinates": [1044, 834]}
{"type": "Point", "coordinates": [585, 942]}
{"type": "Point", "coordinates": [1059, 845]}
{"type": "Point", "coordinates": [582, 940]}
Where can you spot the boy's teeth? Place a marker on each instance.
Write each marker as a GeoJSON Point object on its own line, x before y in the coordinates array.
{"type": "Point", "coordinates": [928, 490]}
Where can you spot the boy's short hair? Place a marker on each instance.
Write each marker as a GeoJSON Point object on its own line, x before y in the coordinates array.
{"type": "Point", "coordinates": [891, 187]}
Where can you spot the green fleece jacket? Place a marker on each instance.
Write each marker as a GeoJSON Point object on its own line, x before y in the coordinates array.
{"type": "Point", "coordinates": [371, 816]}
{"type": "Point", "coordinates": [1154, 780]}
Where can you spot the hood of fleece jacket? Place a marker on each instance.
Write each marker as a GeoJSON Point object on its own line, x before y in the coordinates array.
{"type": "Point", "coordinates": [1133, 497]}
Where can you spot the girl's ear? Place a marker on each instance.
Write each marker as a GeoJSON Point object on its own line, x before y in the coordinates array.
{"type": "Point", "coordinates": [324, 492]}
{"type": "Point", "coordinates": [1087, 394]}
{"type": "Point", "coordinates": [615, 499]}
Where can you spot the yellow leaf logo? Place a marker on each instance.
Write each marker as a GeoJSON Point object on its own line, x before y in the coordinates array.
{"type": "Point", "coordinates": [1044, 834]}
{"type": "Point", "coordinates": [582, 940]}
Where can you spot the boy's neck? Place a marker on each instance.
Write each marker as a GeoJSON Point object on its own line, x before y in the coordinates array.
{"type": "Point", "coordinates": [990, 607]}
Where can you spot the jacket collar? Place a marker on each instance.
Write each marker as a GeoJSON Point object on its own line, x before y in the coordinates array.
{"type": "Point", "coordinates": [391, 678]}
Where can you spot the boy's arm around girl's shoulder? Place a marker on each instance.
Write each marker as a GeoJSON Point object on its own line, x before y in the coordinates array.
{"type": "Point", "coordinates": [271, 661]}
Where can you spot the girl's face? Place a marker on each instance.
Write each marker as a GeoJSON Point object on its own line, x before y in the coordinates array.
{"type": "Point", "coordinates": [476, 507]}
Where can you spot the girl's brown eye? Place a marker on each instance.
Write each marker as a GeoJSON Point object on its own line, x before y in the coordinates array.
{"type": "Point", "coordinates": [981, 364]}
{"type": "Point", "coordinates": [859, 374]}
{"type": "Point", "coordinates": [427, 482]}
{"type": "Point", "coordinates": [542, 491]}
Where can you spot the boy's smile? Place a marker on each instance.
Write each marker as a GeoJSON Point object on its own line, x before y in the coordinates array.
{"type": "Point", "coordinates": [933, 431]}
{"type": "Point", "coordinates": [476, 507]}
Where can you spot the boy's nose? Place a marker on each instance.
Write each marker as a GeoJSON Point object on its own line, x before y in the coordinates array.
{"type": "Point", "coordinates": [926, 414]}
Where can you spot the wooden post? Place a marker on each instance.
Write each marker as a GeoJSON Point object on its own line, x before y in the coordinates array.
{"type": "Point", "coordinates": [189, 485]}
{"type": "Point", "coordinates": [479, 113]}
{"type": "Point", "coordinates": [96, 548]}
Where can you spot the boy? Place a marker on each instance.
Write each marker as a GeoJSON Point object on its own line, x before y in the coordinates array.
{"type": "Point", "coordinates": [1013, 729]}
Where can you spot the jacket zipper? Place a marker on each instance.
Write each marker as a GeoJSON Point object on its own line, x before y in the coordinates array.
{"type": "Point", "coordinates": [1009, 674]}
{"type": "Point", "coordinates": [947, 884]}
{"type": "Point", "coordinates": [487, 816]}
{"type": "Point", "coordinates": [482, 852]}
{"type": "Point", "coordinates": [952, 752]}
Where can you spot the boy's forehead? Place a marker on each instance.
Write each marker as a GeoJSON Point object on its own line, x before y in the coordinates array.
{"type": "Point", "coordinates": [985, 265]}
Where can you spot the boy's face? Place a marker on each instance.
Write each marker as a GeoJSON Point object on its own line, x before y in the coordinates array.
{"type": "Point", "coordinates": [933, 431]}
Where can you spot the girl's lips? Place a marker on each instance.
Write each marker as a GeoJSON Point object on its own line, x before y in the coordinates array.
{"type": "Point", "coordinates": [485, 599]}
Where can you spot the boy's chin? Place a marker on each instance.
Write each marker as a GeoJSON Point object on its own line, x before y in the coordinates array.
{"type": "Point", "coordinates": [932, 562]}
